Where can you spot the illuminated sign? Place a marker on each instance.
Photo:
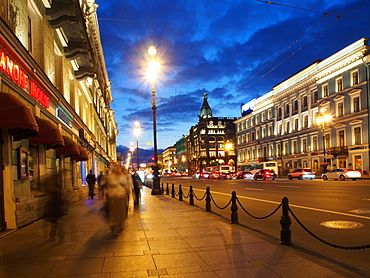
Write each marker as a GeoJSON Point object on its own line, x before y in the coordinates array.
{"type": "Point", "coordinates": [247, 108]}
{"type": "Point", "coordinates": [11, 69]}
{"type": "Point", "coordinates": [64, 116]}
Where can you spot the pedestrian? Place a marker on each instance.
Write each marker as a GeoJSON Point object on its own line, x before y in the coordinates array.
{"type": "Point", "coordinates": [119, 185]}
{"type": "Point", "coordinates": [102, 180]}
{"type": "Point", "coordinates": [91, 179]}
{"type": "Point", "coordinates": [138, 184]}
{"type": "Point", "coordinates": [55, 207]}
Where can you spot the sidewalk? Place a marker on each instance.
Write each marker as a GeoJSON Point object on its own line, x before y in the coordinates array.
{"type": "Point", "coordinates": [163, 238]}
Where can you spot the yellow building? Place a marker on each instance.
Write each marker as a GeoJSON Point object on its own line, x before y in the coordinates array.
{"type": "Point", "coordinates": [55, 115]}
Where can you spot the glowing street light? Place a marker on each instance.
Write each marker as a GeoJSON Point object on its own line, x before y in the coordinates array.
{"type": "Point", "coordinates": [152, 75]}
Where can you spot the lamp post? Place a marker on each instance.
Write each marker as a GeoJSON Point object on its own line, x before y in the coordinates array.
{"type": "Point", "coordinates": [321, 121]}
{"type": "Point", "coordinates": [137, 132]}
{"type": "Point", "coordinates": [152, 72]}
{"type": "Point", "coordinates": [132, 149]}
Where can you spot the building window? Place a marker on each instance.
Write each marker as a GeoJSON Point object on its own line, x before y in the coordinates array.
{"type": "Point", "coordinates": [280, 129]}
{"type": "Point", "coordinates": [356, 104]}
{"type": "Point", "coordinates": [339, 83]}
{"type": "Point", "coordinates": [305, 121]}
{"type": "Point", "coordinates": [286, 148]}
{"type": "Point", "coordinates": [340, 109]}
{"type": "Point", "coordinates": [252, 136]}
{"type": "Point", "coordinates": [295, 105]}
{"type": "Point", "coordinates": [315, 96]}
{"type": "Point", "coordinates": [314, 143]}
{"type": "Point", "coordinates": [304, 101]}
{"type": "Point", "coordinates": [287, 129]}
{"type": "Point", "coordinates": [341, 138]}
{"type": "Point", "coordinates": [287, 109]}
{"type": "Point", "coordinates": [296, 124]}
{"type": "Point", "coordinates": [278, 150]}
{"type": "Point", "coordinates": [304, 145]}
{"type": "Point", "coordinates": [327, 141]}
{"type": "Point", "coordinates": [279, 112]}
{"type": "Point", "coordinates": [325, 90]}
{"type": "Point", "coordinates": [357, 135]}
{"type": "Point", "coordinates": [248, 138]}
{"type": "Point", "coordinates": [355, 79]}
{"type": "Point", "coordinates": [295, 147]}
{"type": "Point", "coordinates": [269, 114]}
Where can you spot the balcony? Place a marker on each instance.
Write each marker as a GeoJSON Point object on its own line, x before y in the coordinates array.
{"type": "Point", "coordinates": [339, 151]}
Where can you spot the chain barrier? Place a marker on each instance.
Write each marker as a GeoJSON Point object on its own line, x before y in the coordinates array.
{"type": "Point", "coordinates": [326, 242]}
{"type": "Point", "coordinates": [255, 217]}
{"type": "Point", "coordinates": [218, 206]}
{"type": "Point", "coordinates": [285, 221]}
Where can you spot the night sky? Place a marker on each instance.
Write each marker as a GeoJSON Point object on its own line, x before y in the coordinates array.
{"type": "Point", "coordinates": [232, 50]}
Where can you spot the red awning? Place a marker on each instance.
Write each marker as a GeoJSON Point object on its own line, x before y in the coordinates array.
{"type": "Point", "coordinates": [49, 135]}
{"type": "Point", "coordinates": [17, 116]}
{"type": "Point", "coordinates": [70, 147]}
{"type": "Point", "coordinates": [83, 154]}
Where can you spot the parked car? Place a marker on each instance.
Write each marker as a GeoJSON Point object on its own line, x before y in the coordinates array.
{"type": "Point", "coordinates": [302, 173]}
{"type": "Point", "coordinates": [226, 176]}
{"type": "Point", "coordinates": [342, 174]}
{"type": "Point", "coordinates": [264, 175]}
{"type": "Point", "coordinates": [245, 175]}
{"type": "Point", "coordinates": [215, 175]}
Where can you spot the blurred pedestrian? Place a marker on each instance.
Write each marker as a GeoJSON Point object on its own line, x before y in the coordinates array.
{"type": "Point", "coordinates": [119, 185]}
{"type": "Point", "coordinates": [102, 180]}
{"type": "Point", "coordinates": [138, 184]}
{"type": "Point", "coordinates": [55, 207]}
{"type": "Point", "coordinates": [91, 179]}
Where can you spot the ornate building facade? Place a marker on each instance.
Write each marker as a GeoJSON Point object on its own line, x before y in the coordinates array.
{"type": "Point", "coordinates": [283, 124]}
{"type": "Point", "coordinates": [55, 116]}
{"type": "Point", "coordinates": [208, 141]}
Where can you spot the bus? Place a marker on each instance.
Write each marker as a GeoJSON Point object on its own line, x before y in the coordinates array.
{"type": "Point", "coordinates": [256, 166]}
{"type": "Point", "coordinates": [220, 168]}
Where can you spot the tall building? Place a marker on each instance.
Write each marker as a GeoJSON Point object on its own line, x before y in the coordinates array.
{"type": "Point", "coordinates": [169, 160]}
{"type": "Point", "coordinates": [318, 118]}
{"type": "Point", "coordinates": [55, 116]}
{"type": "Point", "coordinates": [211, 141]}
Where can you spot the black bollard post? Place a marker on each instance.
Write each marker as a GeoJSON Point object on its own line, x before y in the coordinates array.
{"type": "Point", "coordinates": [285, 222]}
{"type": "Point", "coordinates": [173, 191]}
{"type": "Point", "coordinates": [162, 188]}
{"type": "Point", "coordinates": [167, 190]}
{"type": "Point", "coordinates": [208, 200]}
{"type": "Point", "coordinates": [180, 192]}
{"type": "Point", "coordinates": [234, 209]}
{"type": "Point", "coordinates": [191, 196]}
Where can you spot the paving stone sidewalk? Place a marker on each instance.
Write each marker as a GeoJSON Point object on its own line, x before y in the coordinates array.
{"type": "Point", "coordinates": [162, 238]}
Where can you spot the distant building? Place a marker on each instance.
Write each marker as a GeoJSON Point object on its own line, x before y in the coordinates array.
{"type": "Point", "coordinates": [181, 154]}
{"type": "Point", "coordinates": [211, 141]}
{"type": "Point", "coordinates": [169, 160]}
{"type": "Point", "coordinates": [283, 124]}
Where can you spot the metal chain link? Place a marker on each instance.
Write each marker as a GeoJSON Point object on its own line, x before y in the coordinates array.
{"type": "Point", "coordinates": [324, 241]}
{"type": "Point", "coordinates": [217, 205]}
{"type": "Point", "coordinates": [264, 217]}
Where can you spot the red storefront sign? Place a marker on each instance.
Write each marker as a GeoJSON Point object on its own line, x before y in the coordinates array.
{"type": "Point", "coordinates": [10, 68]}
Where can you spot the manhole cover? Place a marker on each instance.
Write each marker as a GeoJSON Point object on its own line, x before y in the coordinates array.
{"type": "Point", "coordinates": [344, 225]}
{"type": "Point", "coordinates": [361, 211]}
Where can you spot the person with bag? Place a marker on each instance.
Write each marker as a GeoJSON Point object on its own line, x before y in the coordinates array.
{"type": "Point", "coordinates": [138, 184]}
{"type": "Point", "coordinates": [118, 187]}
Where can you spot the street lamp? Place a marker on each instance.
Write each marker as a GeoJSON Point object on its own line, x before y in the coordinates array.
{"type": "Point", "coordinates": [137, 132]}
{"type": "Point", "coordinates": [152, 74]}
{"type": "Point", "coordinates": [321, 121]}
{"type": "Point", "coordinates": [228, 147]}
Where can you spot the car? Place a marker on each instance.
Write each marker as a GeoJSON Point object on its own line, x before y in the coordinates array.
{"type": "Point", "coordinates": [265, 175]}
{"type": "Point", "coordinates": [196, 175]}
{"type": "Point", "coordinates": [245, 175]}
{"type": "Point", "coordinates": [341, 174]}
{"type": "Point", "coordinates": [204, 175]}
{"type": "Point", "coordinates": [226, 175]}
{"type": "Point", "coordinates": [215, 175]}
{"type": "Point", "coordinates": [302, 173]}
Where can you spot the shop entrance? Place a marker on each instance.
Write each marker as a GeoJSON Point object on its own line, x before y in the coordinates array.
{"type": "Point", "coordinates": [342, 162]}
{"type": "Point", "coordinates": [2, 212]}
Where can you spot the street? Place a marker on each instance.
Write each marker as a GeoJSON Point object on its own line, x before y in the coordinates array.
{"type": "Point", "coordinates": [320, 206]}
